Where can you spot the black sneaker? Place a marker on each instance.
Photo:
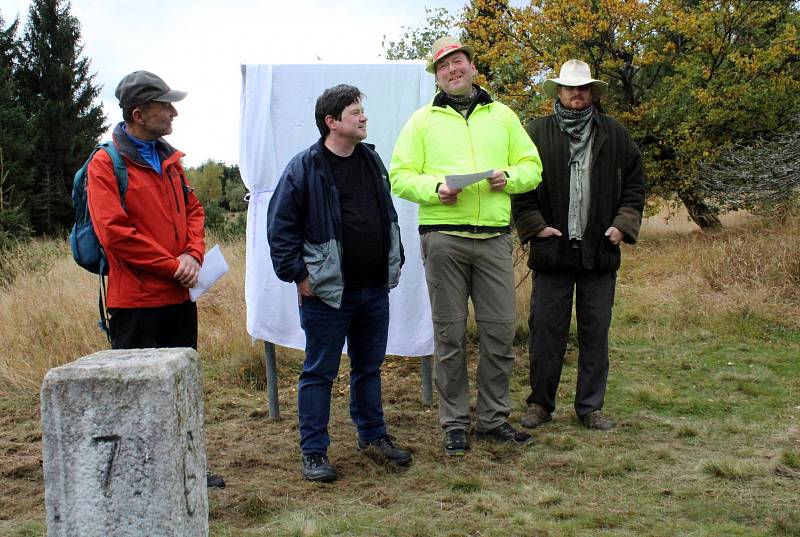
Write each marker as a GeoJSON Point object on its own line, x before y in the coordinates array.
{"type": "Point", "coordinates": [318, 468]}
{"type": "Point", "coordinates": [383, 450]}
{"type": "Point", "coordinates": [214, 481]}
{"type": "Point", "coordinates": [456, 443]}
{"type": "Point", "coordinates": [506, 434]}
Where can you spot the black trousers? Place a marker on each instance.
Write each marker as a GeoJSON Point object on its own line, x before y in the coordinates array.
{"type": "Point", "coordinates": [551, 312]}
{"type": "Point", "coordinates": [143, 328]}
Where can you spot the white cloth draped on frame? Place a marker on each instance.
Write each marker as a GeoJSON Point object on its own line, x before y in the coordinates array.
{"type": "Point", "coordinates": [277, 121]}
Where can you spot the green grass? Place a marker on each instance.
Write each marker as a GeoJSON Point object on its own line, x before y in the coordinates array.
{"type": "Point", "coordinates": [703, 384]}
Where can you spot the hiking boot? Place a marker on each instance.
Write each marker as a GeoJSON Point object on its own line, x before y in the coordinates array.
{"type": "Point", "coordinates": [317, 468]}
{"type": "Point", "coordinates": [596, 421]}
{"type": "Point", "coordinates": [383, 450]}
{"type": "Point", "coordinates": [456, 443]}
{"type": "Point", "coordinates": [537, 415]}
{"type": "Point", "coordinates": [506, 434]}
{"type": "Point", "coordinates": [214, 481]}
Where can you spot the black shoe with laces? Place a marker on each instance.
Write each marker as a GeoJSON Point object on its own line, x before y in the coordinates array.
{"type": "Point", "coordinates": [214, 481]}
{"type": "Point", "coordinates": [506, 434]}
{"type": "Point", "coordinates": [318, 468]}
{"type": "Point", "coordinates": [383, 450]}
{"type": "Point", "coordinates": [456, 443]}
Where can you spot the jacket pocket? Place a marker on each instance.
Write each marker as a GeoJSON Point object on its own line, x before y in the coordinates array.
{"type": "Point", "coordinates": [608, 257]}
{"type": "Point", "coordinates": [544, 254]}
{"type": "Point", "coordinates": [395, 258]}
{"type": "Point", "coordinates": [323, 264]}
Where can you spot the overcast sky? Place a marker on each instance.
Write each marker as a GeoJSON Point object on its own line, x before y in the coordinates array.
{"type": "Point", "coordinates": [199, 45]}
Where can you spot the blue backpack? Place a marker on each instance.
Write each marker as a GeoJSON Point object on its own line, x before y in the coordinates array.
{"type": "Point", "coordinates": [86, 248]}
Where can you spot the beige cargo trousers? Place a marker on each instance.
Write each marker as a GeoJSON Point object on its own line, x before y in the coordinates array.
{"type": "Point", "coordinates": [458, 268]}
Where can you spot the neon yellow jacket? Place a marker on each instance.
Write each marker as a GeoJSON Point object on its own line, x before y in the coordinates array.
{"type": "Point", "coordinates": [438, 141]}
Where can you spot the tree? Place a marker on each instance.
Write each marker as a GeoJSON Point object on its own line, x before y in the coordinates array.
{"type": "Point", "coordinates": [207, 182]}
{"type": "Point", "coordinates": [13, 223]}
{"type": "Point", "coordinates": [757, 177]}
{"type": "Point", "coordinates": [415, 44]}
{"type": "Point", "coordinates": [688, 77]}
{"type": "Point", "coordinates": [58, 95]}
{"type": "Point", "coordinates": [15, 149]}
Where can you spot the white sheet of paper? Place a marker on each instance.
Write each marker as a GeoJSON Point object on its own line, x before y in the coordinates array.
{"type": "Point", "coordinates": [214, 267]}
{"type": "Point", "coordinates": [462, 181]}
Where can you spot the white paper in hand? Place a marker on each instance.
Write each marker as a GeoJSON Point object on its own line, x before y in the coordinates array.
{"type": "Point", "coordinates": [463, 181]}
{"type": "Point", "coordinates": [214, 267]}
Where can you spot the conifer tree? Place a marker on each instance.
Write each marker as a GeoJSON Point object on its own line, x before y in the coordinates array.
{"type": "Point", "coordinates": [15, 151]}
{"type": "Point", "coordinates": [58, 94]}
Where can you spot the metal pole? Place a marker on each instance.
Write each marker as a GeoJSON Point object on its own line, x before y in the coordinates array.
{"type": "Point", "coordinates": [426, 375]}
{"type": "Point", "coordinates": [272, 381]}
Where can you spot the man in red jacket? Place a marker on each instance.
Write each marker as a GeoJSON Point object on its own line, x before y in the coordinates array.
{"type": "Point", "coordinates": [154, 244]}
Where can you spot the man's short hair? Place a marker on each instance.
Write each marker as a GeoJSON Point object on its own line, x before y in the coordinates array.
{"type": "Point", "coordinates": [332, 102]}
{"type": "Point", "coordinates": [127, 111]}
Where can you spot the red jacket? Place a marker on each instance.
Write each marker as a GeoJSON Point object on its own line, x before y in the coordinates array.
{"type": "Point", "coordinates": [162, 222]}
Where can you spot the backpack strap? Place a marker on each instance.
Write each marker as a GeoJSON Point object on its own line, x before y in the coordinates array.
{"type": "Point", "coordinates": [120, 170]}
{"type": "Point", "coordinates": [103, 322]}
{"type": "Point", "coordinates": [121, 173]}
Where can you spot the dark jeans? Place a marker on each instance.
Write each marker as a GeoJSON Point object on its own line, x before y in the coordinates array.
{"type": "Point", "coordinates": [551, 311]}
{"type": "Point", "coordinates": [144, 328]}
{"type": "Point", "coordinates": [363, 320]}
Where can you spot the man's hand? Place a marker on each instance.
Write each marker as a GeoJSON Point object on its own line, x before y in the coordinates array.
{"type": "Point", "coordinates": [304, 288]}
{"type": "Point", "coordinates": [497, 181]}
{"type": "Point", "coordinates": [447, 195]}
{"type": "Point", "coordinates": [548, 232]}
{"type": "Point", "coordinates": [614, 235]}
{"type": "Point", "coordinates": [188, 270]}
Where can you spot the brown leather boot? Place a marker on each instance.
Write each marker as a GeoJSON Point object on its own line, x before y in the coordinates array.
{"type": "Point", "coordinates": [597, 421]}
{"type": "Point", "coordinates": [537, 415]}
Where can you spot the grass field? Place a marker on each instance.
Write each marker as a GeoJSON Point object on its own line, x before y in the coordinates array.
{"type": "Point", "coordinates": [705, 384]}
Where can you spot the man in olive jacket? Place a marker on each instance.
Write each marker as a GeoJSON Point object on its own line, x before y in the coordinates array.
{"type": "Point", "coordinates": [591, 198]}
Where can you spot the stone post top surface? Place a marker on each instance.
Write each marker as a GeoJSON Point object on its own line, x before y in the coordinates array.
{"type": "Point", "coordinates": [127, 363]}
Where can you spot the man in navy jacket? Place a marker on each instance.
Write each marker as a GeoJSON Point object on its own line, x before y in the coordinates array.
{"type": "Point", "coordinates": [333, 231]}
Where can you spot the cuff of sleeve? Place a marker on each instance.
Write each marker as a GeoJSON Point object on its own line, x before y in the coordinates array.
{"type": "Point", "coordinates": [302, 276]}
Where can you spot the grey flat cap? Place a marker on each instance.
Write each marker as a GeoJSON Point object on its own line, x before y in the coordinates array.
{"type": "Point", "coordinates": [141, 87]}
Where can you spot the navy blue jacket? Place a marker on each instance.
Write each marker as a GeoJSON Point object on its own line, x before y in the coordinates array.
{"type": "Point", "coordinates": [304, 224]}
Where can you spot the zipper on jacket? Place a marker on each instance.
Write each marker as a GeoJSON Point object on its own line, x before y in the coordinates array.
{"type": "Point", "coordinates": [174, 195]}
{"type": "Point", "coordinates": [474, 165]}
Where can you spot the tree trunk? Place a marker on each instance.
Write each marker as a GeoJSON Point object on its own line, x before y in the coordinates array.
{"type": "Point", "coordinates": [700, 213]}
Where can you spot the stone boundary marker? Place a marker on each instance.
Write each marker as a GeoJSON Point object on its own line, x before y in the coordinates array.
{"type": "Point", "coordinates": [123, 445]}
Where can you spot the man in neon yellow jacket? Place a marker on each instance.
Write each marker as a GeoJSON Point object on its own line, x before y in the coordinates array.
{"type": "Point", "coordinates": [465, 234]}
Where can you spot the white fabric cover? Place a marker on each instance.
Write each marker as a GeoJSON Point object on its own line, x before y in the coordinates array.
{"type": "Point", "coordinates": [277, 122]}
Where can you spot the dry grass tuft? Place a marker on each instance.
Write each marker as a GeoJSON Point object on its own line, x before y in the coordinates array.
{"type": "Point", "coordinates": [787, 523]}
{"type": "Point", "coordinates": [728, 467]}
{"type": "Point", "coordinates": [791, 458]}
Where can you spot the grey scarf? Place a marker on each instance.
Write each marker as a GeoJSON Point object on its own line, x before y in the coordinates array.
{"type": "Point", "coordinates": [461, 103]}
{"type": "Point", "coordinates": [577, 124]}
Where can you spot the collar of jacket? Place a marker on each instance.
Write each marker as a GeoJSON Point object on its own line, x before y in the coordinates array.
{"type": "Point", "coordinates": [483, 97]}
{"type": "Point", "coordinates": [167, 153]}
{"type": "Point", "coordinates": [318, 153]}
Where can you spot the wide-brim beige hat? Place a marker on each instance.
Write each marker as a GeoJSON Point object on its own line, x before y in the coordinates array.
{"type": "Point", "coordinates": [574, 73]}
{"type": "Point", "coordinates": [445, 46]}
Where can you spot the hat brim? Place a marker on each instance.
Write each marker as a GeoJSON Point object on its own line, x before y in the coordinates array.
{"type": "Point", "coordinates": [172, 96]}
{"type": "Point", "coordinates": [431, 67]}
{"type": "Point", "coordinates": [550, 87]}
